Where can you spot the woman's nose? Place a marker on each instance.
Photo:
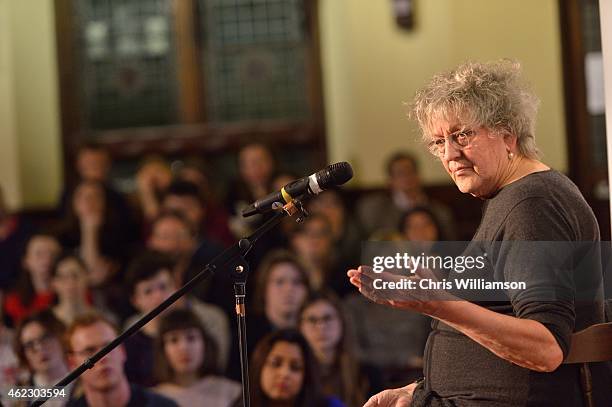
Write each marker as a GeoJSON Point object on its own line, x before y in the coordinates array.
{"type": "Point", "coordinates": [450, 151]}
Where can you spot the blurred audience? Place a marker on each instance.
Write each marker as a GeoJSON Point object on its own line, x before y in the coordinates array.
{"type": "Point", "coordinates": [104, 385]}
{"type": "Point", "coordinates": [96, 232]}
{"type": "Point", "coordinates": [323, 325]}
{"type": "Point", "coordinates": [149, 281]}
{"type": "Point", "coordinates": [380, 213]}
{"type": "Point", "coordinates": [94, 163]}
{"type": "Point", "coordinates": [33, 290]}
{"type": "Point", "coordinates": [186, 363]}
{"type": "Point", "coordinates": [184, 228]}
{"type": "Point", "coordinates": [38, 343]}
{"type": "Point", "coordinates": [283, 372]}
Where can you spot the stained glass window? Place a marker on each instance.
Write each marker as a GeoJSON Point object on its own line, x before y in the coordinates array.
{"type": "Point", "coordinates": [254, 59]}
{"type": "Point", "coordinates": [126, 59]}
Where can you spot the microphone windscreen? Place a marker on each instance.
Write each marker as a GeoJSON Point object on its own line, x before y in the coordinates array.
{"type": "Point", "coordinates": [334, 174]}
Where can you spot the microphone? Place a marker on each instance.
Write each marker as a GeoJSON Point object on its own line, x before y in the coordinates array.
{"type": "Point", "coordinates": [330, 176]}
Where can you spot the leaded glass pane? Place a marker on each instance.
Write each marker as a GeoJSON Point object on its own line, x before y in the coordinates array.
{"type": "Point", "coordinates": [255, 59]}
{"type": "Point", "coordinates": [126, 54]}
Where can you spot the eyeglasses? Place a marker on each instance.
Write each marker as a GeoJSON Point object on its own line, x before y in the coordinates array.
{"type": "Point", "coordinates": [36, 343]}
{"type": "Point", "coordinates": [459, 140]}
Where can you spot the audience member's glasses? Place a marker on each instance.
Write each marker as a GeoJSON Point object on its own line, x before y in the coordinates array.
{"type": "Point", "coordinates": [324, 319]}
{"type": "Point", "coordinates": [459, 140]}
{"type": "Point", "coordinates": [88, 351]}
{"type": "Point", "coordinates": [36, 343]}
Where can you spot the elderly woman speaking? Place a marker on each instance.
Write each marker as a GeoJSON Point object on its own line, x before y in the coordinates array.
{"type": "Point", "coordinates": [479, 121]}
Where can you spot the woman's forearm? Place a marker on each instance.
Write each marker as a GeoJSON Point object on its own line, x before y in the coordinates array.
{"type": "Point", "coordinates": [524, 342]}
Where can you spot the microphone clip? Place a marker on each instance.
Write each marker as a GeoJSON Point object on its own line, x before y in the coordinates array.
{"type": "Point", "coordinates": [294, 207]}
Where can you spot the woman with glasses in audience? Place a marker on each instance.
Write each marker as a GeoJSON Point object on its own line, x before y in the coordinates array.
{"type": "Point", "coordinates": [323, 324]}
{"type": "Point", "coordinates": [186, 363]}
{"type": "Point", "coordinates": [38, 344]}
{"type": "Point", "coordinates": [284, 372]}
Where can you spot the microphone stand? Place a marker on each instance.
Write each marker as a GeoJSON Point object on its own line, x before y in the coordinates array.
{"type": "Point", "coordinates": [233, 259]}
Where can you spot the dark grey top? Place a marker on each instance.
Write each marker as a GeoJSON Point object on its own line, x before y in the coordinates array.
{"type": "Point", "coordinates": [544, 206]}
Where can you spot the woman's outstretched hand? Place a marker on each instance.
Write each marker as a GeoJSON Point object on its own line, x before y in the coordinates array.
{"type": "Point", "coordinates": [378, 287]}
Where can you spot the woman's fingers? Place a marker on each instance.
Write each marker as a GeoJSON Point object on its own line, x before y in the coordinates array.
{"type": "Point", "coordinates": [354, 277]}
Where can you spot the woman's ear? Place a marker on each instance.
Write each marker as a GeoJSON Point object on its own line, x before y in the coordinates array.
{"type": "Point", "coordinates": [510, 140]}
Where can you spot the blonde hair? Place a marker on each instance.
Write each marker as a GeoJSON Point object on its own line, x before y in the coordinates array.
{"type": "Point", "coordinates": [491, 95]}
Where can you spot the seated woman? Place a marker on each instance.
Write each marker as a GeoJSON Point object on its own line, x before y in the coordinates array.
{"type": "Point", "coordinates": [95, 231]}
{"type": "Point", "coordinates": [280, 289]}
{"type": "Point", "coordinates": [39, 348]}
{"type": "Point", "coordinates": [33, 290]}
{"type": "Point", "coordinates": [323, 324]}
{"type": "Point", "coordinates": [283, 372]}
{"type": "Point", "coordinates": [69, 281]}
{"type": "Point", "coordinates": [187, 362]}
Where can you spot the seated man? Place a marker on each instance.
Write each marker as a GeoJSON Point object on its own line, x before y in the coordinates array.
{"type": "Point", "coordinates": [105, 385]}
{"type": "Point", "coordinates": [149, 281]}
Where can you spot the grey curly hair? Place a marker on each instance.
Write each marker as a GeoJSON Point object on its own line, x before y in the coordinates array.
{"type": "Point", "coordinates": [492, 95]}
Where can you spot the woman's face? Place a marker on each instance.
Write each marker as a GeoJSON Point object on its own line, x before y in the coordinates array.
{"type": "Point", "coordinates": [282, 374]}
{"type": "Point", "coordinates": [43, 351]}
{"type": "Point", "coordinates": [40, 255]}
{"type": "Point", "coordinates": [285, 290]}
{"type": "Point", "coordinates": [419, 227]}
{"type": "Point", "coordinates": [256, 165]}
{"type": "Point", "coordinates": [479, 169]}
{"type": "Point", "coordinates": [184, 350]}
{"type": "Point", "coordinates": [70, 279]}
{"type": "Point", "coordinates": [321, 326]}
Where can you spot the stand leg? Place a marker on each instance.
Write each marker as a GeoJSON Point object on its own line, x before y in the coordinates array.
{"type": "Point", "coordinates": [239, 291]}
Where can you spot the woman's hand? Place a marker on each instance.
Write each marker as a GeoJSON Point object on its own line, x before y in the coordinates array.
{"type": "Point", "coordinates": [401, 397]}
{"type": "Point", "coordinates": [413, 297]}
